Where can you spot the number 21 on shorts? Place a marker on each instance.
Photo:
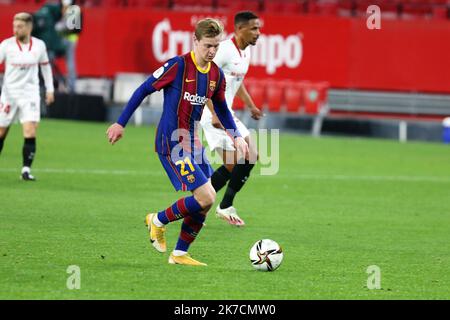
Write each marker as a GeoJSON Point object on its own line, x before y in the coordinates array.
{"type": "Point", "coordinates": [183, 164]}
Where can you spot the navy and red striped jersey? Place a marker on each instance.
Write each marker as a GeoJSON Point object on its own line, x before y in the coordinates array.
{"type": "Point", "coordinates": [187, 87]}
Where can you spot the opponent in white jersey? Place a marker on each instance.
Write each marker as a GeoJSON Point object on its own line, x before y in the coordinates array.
{"type": "Point", "coordinates": [22, 55]}
{"type": "Point", "coordinates": [233, 57]}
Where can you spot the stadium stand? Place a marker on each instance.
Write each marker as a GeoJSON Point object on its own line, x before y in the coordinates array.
{"type": "Point", "coordinates": [402, 9]}
{"type": "Point", "coordinates": [275, 95]}
{"type": "Point", "coordinates": [316, 102]}
{"type": "Point", "coordinates": [257, 89]}
{"type": "Point", "coordinates": [95, 86]}
{"type": "Point", "coordinates": [292, 99]}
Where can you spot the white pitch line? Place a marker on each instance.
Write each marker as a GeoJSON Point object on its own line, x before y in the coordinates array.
{"type": "Point", "coordinates": [374, 178]}
{"type": "Point", "coordinates": [444, 179]}
{"type": "Point", "coordinates": [87, 171]}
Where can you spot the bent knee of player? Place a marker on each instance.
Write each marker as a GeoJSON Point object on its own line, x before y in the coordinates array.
{"type": "Point", "coordinates": [29, 130]}
{"type": "Point", "coordinates": [229, 166]}
{"type": "Point", "coordinates": [3, 132]}
{"type": "Point", "coordinates": [206, 198]}
{"type": "Point", "coordinates": [209, 198]}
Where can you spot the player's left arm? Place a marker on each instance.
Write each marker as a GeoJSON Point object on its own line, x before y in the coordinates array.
{"type": "Point", "coordinates": [46, 71]}
{"type": "Point", "coordinates": [161, 78]}
{"type": "Point", "coordinates": [115, 131]}
{"type": "Point", "coordinates": [248, 101]}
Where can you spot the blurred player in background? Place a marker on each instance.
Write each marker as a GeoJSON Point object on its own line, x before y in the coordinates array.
{"type": "Point", "coordinates": [188, 82]}
{"type": "Point", "coordinates": [45, 22]}
{"type": "Point", "coordinates": [23, 54]}
{"type": "Point", "coordinates": [70, 28]}
{"type": "Point", "coordinates": [233, 57]}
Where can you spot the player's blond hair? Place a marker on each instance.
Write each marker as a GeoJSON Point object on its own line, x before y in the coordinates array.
{"type": "Point", "coordinates": [208, 28]}
{"type": "Point", "coordinates": [23, 16]}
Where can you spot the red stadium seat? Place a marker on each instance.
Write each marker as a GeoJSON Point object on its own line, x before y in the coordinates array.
{"type": "Point", "coordinates": [315, 96]}
{"type": "Point", "coordinates": [417, 10]}
{"type": "Point", "coordinates": [240, 5]}
{"type": "Point", "coordinates": [346, 8]}
{"type": "Point", "coordinates": [256, 89]}
{"type": "Point", "coordinates": [389, 8]}
{"type": "Point", "coordinates": [275, 95]}
{"type": "Point", "coordinates": [29, 2]}
{"type": "Point", "coordinates": [273, 6]}
{"type": "Point", "coordinates": [324, 7]}
{"type": "Point", "coordinates": [440, 12]}
{"type": "Point", "coordinates": [293, 96]}
{"type": "Point", "coordinates": [311, 98]}
{"type": "Point", "coordinates": [361, 7]}
{"type": "Point", "coordinates": [111, 3]}
{"type": "Point", "coordinates": [323, 88]}
{"type": "Point", "coordinates": [192, 4]}
{"type": "Point", "coordinates": [91, 3]}
{"type": "Point", "coordinates": [223, 5]}
{"type": "Point", "coordinates": [286, 6]}
{"type": "Point", "coordinates": [206, 3]}
{"type": "Point", "coordinates": [160, 4]}
{"type": "Point", "coordinates": [183, 2]}
{"type": "Point", "coordinates": [294, 6]}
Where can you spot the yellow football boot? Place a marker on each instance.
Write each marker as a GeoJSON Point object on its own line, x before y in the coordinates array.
{"type": "Point", "coordinates": [185, 259]}
{"type": "Point", "coordinates": [157, 234]}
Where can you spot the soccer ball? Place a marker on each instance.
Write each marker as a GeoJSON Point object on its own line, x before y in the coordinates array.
{"type": "Point", "coordinates": [266, 255]}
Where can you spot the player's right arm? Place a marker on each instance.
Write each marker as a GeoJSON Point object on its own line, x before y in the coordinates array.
{"type": "Point", "coordinates": [161, 78]}
{"type": "Point", "coordinates": [248, 101]}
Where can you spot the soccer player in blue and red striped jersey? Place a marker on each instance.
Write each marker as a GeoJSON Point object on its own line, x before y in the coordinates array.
{"type": "Point", "coordinates": [188, 82]}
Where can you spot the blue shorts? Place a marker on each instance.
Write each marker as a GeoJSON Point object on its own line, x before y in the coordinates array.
{"type": "Point", "coordinates": [186, 174]}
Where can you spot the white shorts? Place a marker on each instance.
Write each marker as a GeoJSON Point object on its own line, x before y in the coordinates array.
{"type": "Point", "coordinates": [26, 110]}
{"type": "Point", "coordinates": [218, 138]}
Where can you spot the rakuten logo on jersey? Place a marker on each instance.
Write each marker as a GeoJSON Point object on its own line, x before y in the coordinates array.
{"type": "Point", "coordinates": [195, 99]}
{"type": "Point", "coordinates": [271, 51]}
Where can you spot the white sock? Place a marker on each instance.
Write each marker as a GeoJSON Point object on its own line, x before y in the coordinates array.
{"type": "Point", "coordinates": [178, 253]}
{"type": "Point", "coordinates": [26, 169]}
{"type": "Point", "coordinates": [157, 222]}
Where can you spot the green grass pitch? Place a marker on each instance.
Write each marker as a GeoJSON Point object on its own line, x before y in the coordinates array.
{"type": "Point", "coordinates": [337, 206]}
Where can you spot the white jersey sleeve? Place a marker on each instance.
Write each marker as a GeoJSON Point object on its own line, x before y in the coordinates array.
{"type": "Point", "coordinates": [2, 51]}
{"type": "Point", "coordinates": [46, 69]}
{"type": "Point", "coordinates": [44, 56]}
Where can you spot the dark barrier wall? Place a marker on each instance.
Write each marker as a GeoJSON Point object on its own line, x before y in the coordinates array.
{"type": "Point", "coordinates": [404, 55]}
{"type": "Point", "coordinates": [77, 107]}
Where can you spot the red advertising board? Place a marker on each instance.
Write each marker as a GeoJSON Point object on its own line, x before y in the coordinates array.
{"type": "Point", "coordinates": [402, 56]}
